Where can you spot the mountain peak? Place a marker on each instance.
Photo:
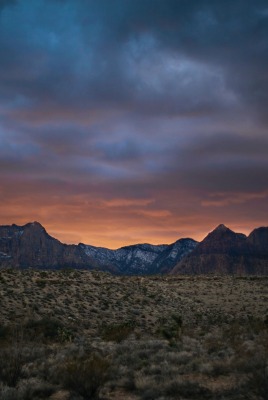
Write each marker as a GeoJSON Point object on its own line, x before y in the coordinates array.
{"type": "Point", "coordinates": [34, 228]}
{"type": "Point", "coordinates": [35, 224]}
{"type": "Point", "coordinates": [221, 228]}
{"type": "Point", "coordinates": [221, 233]}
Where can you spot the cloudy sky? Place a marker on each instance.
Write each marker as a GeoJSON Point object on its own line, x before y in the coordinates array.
{"type": "Point", "coordinates": [126, 121]}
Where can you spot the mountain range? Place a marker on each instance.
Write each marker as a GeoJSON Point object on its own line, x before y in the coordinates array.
{"type": "Point", "coordinates": [221, 252]}
{"type": "Point", "coordinates": [31, 246]}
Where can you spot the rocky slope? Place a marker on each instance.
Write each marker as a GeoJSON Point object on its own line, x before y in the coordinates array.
{"type": "Point", "coordinates": [141, 259]}
{"type": "Point", "coordinates": [226, 252]}
{"type": "Point", "coordinates": [31, 246]}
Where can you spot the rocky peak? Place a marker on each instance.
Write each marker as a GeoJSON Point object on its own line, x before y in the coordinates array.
{"type": "Point", "coordinates": [219, 232]}
{"type": "Point", "coordinates": [224, 251]}
{"type": "Point", "coordinates": [221, 240]}
{"type": "Point", "coordinates": [34, 226]}
{"type": "Point", "coordinates": [221, 228]}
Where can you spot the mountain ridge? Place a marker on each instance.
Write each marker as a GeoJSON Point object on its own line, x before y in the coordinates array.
{"type": "Point", "coordinates": [222, 251]}
{"type": "Point", "coordinates": [31, 246]}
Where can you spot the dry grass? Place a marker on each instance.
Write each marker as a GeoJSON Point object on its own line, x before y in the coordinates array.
{"type": "Point", "coordinates": [153, 337]}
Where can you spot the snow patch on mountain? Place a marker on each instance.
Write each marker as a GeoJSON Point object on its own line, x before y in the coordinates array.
{"type": "Point", "coordinates": [141, 258]}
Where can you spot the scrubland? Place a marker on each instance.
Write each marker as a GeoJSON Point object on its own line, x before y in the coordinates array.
{"type": "Point", "coordinates": [89, 335]}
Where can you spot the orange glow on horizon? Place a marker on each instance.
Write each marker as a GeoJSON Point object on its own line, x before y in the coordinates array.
{"type": "Point", "coordinates": [116, 237]}
{"type": "Point", "coordinates": [121, 221]}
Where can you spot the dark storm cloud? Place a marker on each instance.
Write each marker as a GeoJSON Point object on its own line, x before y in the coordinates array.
{"type": "Point", "coordinates": [102, 53]}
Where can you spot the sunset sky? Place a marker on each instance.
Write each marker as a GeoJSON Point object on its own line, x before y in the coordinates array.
{"type": "Point", "coordinates": [129, 121]}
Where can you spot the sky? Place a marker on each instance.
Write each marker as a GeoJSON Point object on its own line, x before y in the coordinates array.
{"type": "Point", "coordinates": [132, 121]}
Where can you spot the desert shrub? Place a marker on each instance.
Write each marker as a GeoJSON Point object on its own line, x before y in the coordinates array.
{"type": "Point", "coordinates": [187, 390]}
{"type": "Point", "coordinates": [258, 383]}
{"type": "Point", "coordinates": [35, 389]}
{"type": "Point", "coordinates": [27, 390]}
{"type": "Point", "coordinates": [150, 393]}
{"type": "Point", "coordinates": [241, 327]}
{"type": "Point", "coordinates": [65, 335]}
{"type": "Point", "coordinates": [171, 328]}
{"type": "Point", "coordinates": [177, 319]}
{"type": "Point", "coordinates": [48, 328]}
{"type": "Point", "coordinates": [4, 332]}
{"type": "Point", "coordinates": [220, 368]}
{"type": "Point", "coordinates": [256, 325]}
{"type": "Point", "coordinates": [44, 274]}
{"type": "Point", "coordinates": [11, 363]}
{"type": "Point", "coordinates": [256, 387]}
{"type": "Point", "coordinates": [41, 283]}
{"type": "Point", "coordinates": [84, 376]}
{"type": "Point", "coordinates": [146, 386]}
{"type": "Point", "coordinates": [151, 389]}
{"type": "Point", "coordinates": [117, 332]}
{"type": "Point", "coordinates": [8, 393]}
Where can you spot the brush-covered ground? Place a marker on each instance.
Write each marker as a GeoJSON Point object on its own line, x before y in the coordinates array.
{"type": "Point", "coordinates": [89, 335]}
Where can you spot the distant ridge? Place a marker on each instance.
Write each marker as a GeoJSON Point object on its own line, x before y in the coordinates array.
{"type": "Point", "coordinates": [30, 246]}
{"type": "Point", "coordinates": [226, 252]}
{"type": "Point", "coordinates": [221, 252]}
